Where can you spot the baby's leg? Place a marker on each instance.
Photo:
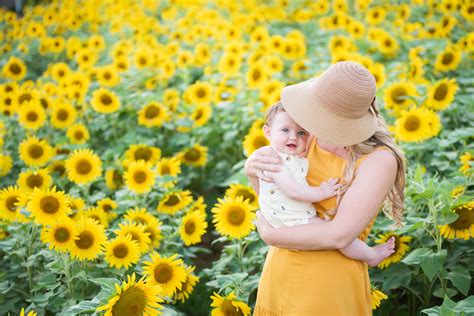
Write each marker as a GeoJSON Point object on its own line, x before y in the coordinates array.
{"type": "Point", "coordinates": [372, 255]}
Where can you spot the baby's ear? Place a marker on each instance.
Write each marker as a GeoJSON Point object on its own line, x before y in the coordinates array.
{"type": "Point", "coordinates": [308, 144]}
{"type": "Point", "coordinates": [266, 131]}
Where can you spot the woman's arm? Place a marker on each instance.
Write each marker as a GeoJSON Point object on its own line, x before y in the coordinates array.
{"type": "Point", "coordinates": [263, 159]}
{"type": "Point", "coordinates": [360, 204]}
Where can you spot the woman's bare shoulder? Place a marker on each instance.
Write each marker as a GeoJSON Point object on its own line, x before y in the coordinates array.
{"type": "Point", "coordinates": [382, 159]}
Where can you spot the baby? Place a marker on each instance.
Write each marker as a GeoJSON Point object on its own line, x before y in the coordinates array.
{"type": "Point", "coordinates": [288, 201]}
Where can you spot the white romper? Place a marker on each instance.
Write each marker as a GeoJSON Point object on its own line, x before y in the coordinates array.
{"type": "Point", "coordinates": [278, 208]}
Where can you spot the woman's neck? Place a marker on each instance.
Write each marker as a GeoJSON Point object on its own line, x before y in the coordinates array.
{"type": "Point", "coordinates": [336, 150]}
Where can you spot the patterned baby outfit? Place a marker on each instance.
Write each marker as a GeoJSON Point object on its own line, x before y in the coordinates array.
{"type": "Point", "coordinates": [278, 208]}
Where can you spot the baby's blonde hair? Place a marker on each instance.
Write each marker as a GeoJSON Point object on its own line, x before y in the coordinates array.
{"type": "Point", "coordinates": [272, 111]}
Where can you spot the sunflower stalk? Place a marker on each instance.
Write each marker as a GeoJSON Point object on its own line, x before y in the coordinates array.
{"type": "Point", "coordinates": [67, 273]}
{"type": "Point", "coordinates": [29, 269]}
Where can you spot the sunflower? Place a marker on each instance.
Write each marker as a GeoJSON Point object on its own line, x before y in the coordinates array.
{"type": "Point", "coordinates": [229, 63]}
{"type": "Point", "coordinates": [401, 248]}
{"type": "Point", "coordinates": [458, 191]}
{"type": "Point", "coordinates": [30, 313]}
{"type": "Point", "coordinates": [413, 125]}
{"type": "Point", "coordinates": [375, 15]}
{"type": "Point", "coordinates": [247, 193]}
{"type": "Point", "coordinates": [441, 94]}
{"type": "Point", "coordinates": [228, 305]}
{"type": "Point", "coordinates": [134, 299]}
{"type": "Point", "coordinates": [143, 58]}
{"type": "Point", "coordinates": [356, 29]}
{"type": "Point", "coordinates": [35, 152]}
{"type": "Point", "coordinates": [254, 140]}
{"type": "Point", "coordinates": [14, 69]}
{"type": "Point", "coordinates": [63, 115]}
{"type": "Point", "coordinates": [59, 71]}
{"type": "Point", "coordinates": [168, 272]}
{"type": "Point", "coordinates": [108, 76]}
{"type": "Point", "coordinates": [171, 99]}
{"type": "Point", "coordinates": [78, 134]}
{"type": "Point", "coordinates": [108, 205]}
{"type": "Point", "coordinates": [86, 58]}
{"type": "Point", "coordinates": [97, 214]}
{"type": "Point", "coordinates": [233, 217]}
{"type": "Point", "coordinates": [388, 45]}
{"type": "Point", "coordinates": [257, 75]}
{"type": "Point", "coordinates": [377, 297]}
{"type": "Point", "coordinates": [139, 177]}
{"type": "Point", "coordinates": [187, 286]}
{"type": "Point", "coordinates": [31, 179]}
{"type": "Point", "coordinates": [90, 239]}
{"type": "Point", "coordinates": [121, 252]}
{"type": "Point", "coordinates": [198, 205]}
{"type": "Point", "coordinates": [105, 101]}
{"type": "Point", "coordinates": [113, 179]}
{"type": "Point", "coordinates": [138, 234]}
{"type": "Point", "coordinates": [449, 59]}
{"type": "Point", "coordinates": [466, 160]}
{"type": "Point", "coordinates": [153, 114]}
{"type": "Point", "coordinates": [201, 115]}
{"type": "Point", "coordinates": [10, 202]}
{"type": "Point", "coordinates": [192, 227]}
{"type": "Point", "coordinates": [48, 206]}
{"type": "Point", "coordinates": [83, 166]}
{"type": "Point", "coordinates": [398, 96]}
{"type": "Point", "coordinates": [58, 167]}
{"type": "Point", "coordinates": [135, 152]}
{"type": "Point", "coordinates": [173, 202]}
{"type": "Point", "coordinates": [200, 93]}
{"type": "Point", "coordinates": [378, 71]}
{"type": "Point", "coordinates": [463, 226]}
{"type": "Point", "coordinates": [31, 115]}
{"type": "Point", "coordinates": [168, 167]}
{"type": "Point", "coordinates": [7, 105]}
{"type": "Point", "coordinates": [195, 156]}
{"type": "Point", "coordinates": [60, 236]}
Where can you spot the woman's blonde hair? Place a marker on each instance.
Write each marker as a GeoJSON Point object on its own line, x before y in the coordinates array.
{"type": "Point", "coordinates": [381, 138]}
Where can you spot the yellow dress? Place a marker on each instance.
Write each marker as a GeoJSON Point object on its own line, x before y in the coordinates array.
{"type": "Point", "coordinates": [319, 282]}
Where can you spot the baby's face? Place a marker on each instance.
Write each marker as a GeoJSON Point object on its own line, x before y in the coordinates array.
{"type": "Point", "coordinates": [285, 135]}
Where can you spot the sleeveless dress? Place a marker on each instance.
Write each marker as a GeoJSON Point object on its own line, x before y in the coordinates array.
{"type": "Point", "coordinates": [319, 282]}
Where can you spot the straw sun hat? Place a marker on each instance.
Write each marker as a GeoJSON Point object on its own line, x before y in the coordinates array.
{"type": "Point", "coordinates": [336, 106]}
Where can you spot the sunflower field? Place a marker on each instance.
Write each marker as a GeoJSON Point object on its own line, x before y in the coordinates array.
{"type": "Point", "coordinates": [125, 126]}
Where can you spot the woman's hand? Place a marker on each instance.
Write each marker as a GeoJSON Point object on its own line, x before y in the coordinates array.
{"type": "Point", "coordinates": [264, 228]}
{"type": "Point", "coordinates": [263, 159]}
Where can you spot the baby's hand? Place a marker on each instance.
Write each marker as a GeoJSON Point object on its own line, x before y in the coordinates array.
{"type": "Point", "coordinates": [329, 188]}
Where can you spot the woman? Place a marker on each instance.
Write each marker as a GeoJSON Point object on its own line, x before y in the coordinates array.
{"type": "Point", "coordinates": [304, 273]}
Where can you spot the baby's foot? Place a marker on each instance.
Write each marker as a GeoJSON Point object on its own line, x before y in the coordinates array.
{"type": "Point", "coordinates": [382, 251]}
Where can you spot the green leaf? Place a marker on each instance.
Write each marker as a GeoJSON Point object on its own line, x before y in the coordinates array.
{"type": "Point", "coordinates": [466, 305]}
{"type": "Point", "coordinates": [396, 275]}
{"type": "Point", "coordinates": [461, 278]}
{"type": "Point", "coordinates": [416, 256]}
{"type": "Point", "coordinates": [431, 263]}
{"type": "Point", "coordinates": [82, 307]}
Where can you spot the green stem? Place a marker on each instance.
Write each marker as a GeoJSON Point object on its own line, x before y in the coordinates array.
{"type": "Point", "coordinates": [29, 252]}
{"type": "Point", "coordinates": [67, 273]}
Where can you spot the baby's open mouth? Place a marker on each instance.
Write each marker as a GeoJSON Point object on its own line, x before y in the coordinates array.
{"type": "Point", "coordinates": [293, 146]}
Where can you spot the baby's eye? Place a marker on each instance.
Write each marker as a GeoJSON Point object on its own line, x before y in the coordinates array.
{"type": "Point", "coordinates": [301, 133]}
{"type": "Point", "coordinates": [286, 130]}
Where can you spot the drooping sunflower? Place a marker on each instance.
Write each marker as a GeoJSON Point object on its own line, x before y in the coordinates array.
{"type": "Point", "coordinates": [463, 226]}
{"type": "Point", "coordinates": [134, 299]}
{"type": "Point", "coordinates": [192, 227]}
{"type": "Point", "coordinates": [140, 177]}
{"type": "Point", "coordinates": [90, 239]}
{"type": "Point", "coordinates": [31, 115]}
{"type": "Point", "coordinates": [228, 305]}
{"type": "Point", "coordinates": [144, 152]}
{"type": "Point", "coordinates": [105, 101]}
{"type": "Point", "coordinates": [377, 297]}
{"type": "Point", "coordinates": [113, 179]}
{"type": "Point", "coordinates": [63, 115]}
{"type": "Point", "coordinates": [187, 286]}
{"type": "Point", "coordinates": [60, 236]}
{"type": "Point", "coordinates": [138, 234]}
{"type": "Point", "coordinates": [201, 115]}
{"type": "Point", "coordinates": [14, 69]}
{"type": "Point", "coordinates": [233, 217]}
{"type": "Point", "coordinates": [401, 248]}
{"type": "Point", "coordinates": [168, 272]}
{"type": "Point", "coordinates": [245, 191]}
{"type": "Point", "coordinates": [122, 252]}
{"type": "Point", "coordinates": [254, 140]}
{"type": "Point", "coordinates": [398, 96]}
{"type": "Point", "coordinates": [154, 114]}
{"type": "Point", "coordinates": [31, 179]}
{"type": "Point", "coordinates": [449, 59]}
{"type": "Point", "coordinates": [48, 206]}
{"type": "Point", "coordinates": [195, 155]}
{"type": "Point", "coordinates": [10, 202]}
{"type": "Point", "coordinates": [441, 94]}
{"type": "Point", "coordinates": [35, 152]}
{"type": "Point", "coordinates": [108, 205]}
{"type": "Point", "coordinates": [413, 126]}
{"type": "Point", "coordinates": [83, 166]}
{"type": "Point", "coordinates": [78, 134]}
{"type": "Point", "coordinates": [172, 202]}
{"type": "Point", "coordinates": [169, 166]}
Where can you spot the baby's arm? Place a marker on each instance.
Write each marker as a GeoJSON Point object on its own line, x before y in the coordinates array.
{"type": "Point", "coordinates": [286, 182]}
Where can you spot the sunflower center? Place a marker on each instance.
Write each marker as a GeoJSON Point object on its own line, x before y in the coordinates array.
{"type": "Point", "coordinates": [198, 115]}
{"type": "Point", "coordinates": [25, 97]}
{"type": "Point", "coordinates": [117, 178]}
{"type": "Point", "coordinates": [135, 236]}
{"type": "Point", "coordinates": [447, 58]}
{"type": "Point", "coordinates": [143, 153]}
{"type": "Point", "coordinates": [132, 302]}
{"type": "Point", "coordinates": [62, 234]}
{"type": "Point", "coordinates": [58, 168]}
{"type": "Point", "coordinates": [201, 93]}
{"type": "Point", "coordinates": [139, 176]}
{"type": "Point", "coordinates": [35, 151]}
{"type": "Point", "coordinates": [190, 227]}
{"type": "Point", "coordinates": [106, 207]}
{"type": "Point", "coordinates": [165, 169]}
{"type": "Point", "coordinates": [10, 202]}
{"type": "Point", "coordinates": [107, 75]}
{"type": "Point", "coordinates": [62, 115]}
{"type": "Point", "coordinates": [49, 204]}
{"type": "Point", "coordinates": [398, 94]}
{"type": "Point", "coordinates": [78, 135]}
{"type": "Point", "coordinates": [32, 116]}
{"type": "Point", "coordinates": [228, 309]}
{"type": "Point", "coordinates": [192, 154]}
{"type": "Point", "coordinates": [83, 166]}
{"type": "Point", "coordinates": [412, 123]}
{"type": "Point", "coordinates": [34, 181]}
{"type": "Point", "coordinates": [105, 99]}
{"type": "Point", "coordinates": [152, 112]}
{"type": "Point", "coordinates": [256, 74]}
{"type": "Point", "coordinates": [441, 92]}
{"type": "Point", "coordinates": [172, 200]}
{"type": "Point", "coordinates": [246, 195]}
{"type": "Point", "coordinates": [465, 219]}
{"type": "Point", "coordinates": [152, 234]}
{"type": "Point", "coordinates": [163, 273]}
{"type": "Point", "coordinates": [14, 68]}
{"type": "Point", "coordinates": [236, 216]}
{"type": "Point", "coordinates": [142, 61]}
{"type": "Point", "coordinates": [85, 240]}
{"type": "Point", "coordinates": [259, 141]}
{"type": "Point", "coordinates": [388, 43]}
{"type": "Point", "coordinates": [121, 251]}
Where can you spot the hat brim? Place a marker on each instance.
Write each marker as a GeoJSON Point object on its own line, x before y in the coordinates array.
{"type": "Point", "coordinates": [304, 108]}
